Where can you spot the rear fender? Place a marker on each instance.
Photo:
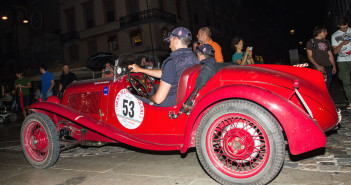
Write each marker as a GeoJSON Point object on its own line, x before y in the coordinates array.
{"type": "Point", "coordinates": [100, 127]}
{"type": "Point", "coordinates": [302, 132]}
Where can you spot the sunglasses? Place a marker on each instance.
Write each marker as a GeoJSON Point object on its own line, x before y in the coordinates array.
{"type": "Point", "coordinates": [170, 34]}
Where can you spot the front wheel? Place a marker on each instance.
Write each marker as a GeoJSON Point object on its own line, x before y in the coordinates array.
{"type": "Point", "coordinates": [40, 140]}
{"type": "Point", "coordinates": [239, 142]}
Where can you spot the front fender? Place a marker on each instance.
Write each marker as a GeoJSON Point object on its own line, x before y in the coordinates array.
{"type": "Point", "coordinates": [99, 126]}
{"type": "Point", "coordinates": [302, 132]}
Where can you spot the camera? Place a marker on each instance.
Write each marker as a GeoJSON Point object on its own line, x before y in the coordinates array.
{"type": "Point", "coordinates": [250, 48]}
{"type": "Point", "coordinates": [107, 70]}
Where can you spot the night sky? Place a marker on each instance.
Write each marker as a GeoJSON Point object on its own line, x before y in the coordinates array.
{"type": "Point", "coordinates": [272, 20]}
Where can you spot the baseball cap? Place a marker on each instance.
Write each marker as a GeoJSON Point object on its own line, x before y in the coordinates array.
{"type": "Point", "coordinates": [206, 49]}
{"type": "Point", "coordinates": [179, 32]}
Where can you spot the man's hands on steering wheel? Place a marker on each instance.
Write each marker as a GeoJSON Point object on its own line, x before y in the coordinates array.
{"type": "Point", "coordinates": [142, 84]}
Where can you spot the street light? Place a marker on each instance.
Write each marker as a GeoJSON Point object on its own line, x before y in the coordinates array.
{"type": "Point", "coordinates": [292, 32]}
{"type": "Point", "coordinates": [25, 21]}
{"type": "Point", "coordinates": [16, 16]}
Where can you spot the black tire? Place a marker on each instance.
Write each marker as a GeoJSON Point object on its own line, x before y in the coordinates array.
{"type": "Point", "coordinates": [13, 117]}
{"type": "Point", "coordinates": [223, 149]}
{"type": "Point", "coordinates": [43, 152]}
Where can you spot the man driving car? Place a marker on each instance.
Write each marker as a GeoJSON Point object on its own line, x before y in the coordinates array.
{"type": "Point", "coordinates": [181, 58]}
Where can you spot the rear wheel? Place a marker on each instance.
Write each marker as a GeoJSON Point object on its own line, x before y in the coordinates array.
{"type": "Point", "coordinates": [239, 142]}
{"type": "Point", "coordinates": [40, 140]}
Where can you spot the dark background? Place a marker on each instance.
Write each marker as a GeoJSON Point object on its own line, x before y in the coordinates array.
{"type": "Point", "coordinates": [269, 24]}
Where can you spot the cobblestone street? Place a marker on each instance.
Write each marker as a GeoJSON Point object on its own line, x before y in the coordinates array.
{"type": "Point", "coordinates": [118, 164]}
{"type": "Point", "coordinates": [335, 157]}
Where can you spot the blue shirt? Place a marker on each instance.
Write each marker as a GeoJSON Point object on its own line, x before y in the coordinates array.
{"type": "Point", "coordinates": [172, 68]}
{"type": "Point", "coordinates": [46, 82]}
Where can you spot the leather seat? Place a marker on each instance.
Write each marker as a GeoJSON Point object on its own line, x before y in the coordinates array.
{"type": "Point", "coordinates": [186, 82]}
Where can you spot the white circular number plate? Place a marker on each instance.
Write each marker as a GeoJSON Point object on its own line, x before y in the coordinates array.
{"type": "Point", "coordinates": [129, 110]}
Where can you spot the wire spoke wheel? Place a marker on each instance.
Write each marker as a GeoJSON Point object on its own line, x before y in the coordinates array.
{"type": "Point", "coordinates": [238, 145]}
{"type": "Point", "coordinates": [40, 141]}
{"type": "Point", "coordinates": [35, 139]}
{"type": "Point", "coordinates": [239, 142]}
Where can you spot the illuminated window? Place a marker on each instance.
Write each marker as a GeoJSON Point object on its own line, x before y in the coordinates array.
{"type": "Point", "coordinates": [136, 39]}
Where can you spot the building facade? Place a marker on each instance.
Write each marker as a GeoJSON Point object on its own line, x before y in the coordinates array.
{"type": "Point", "coordinates": [89, 27]}
{"type": "Point", "coordinates": [24, 46]}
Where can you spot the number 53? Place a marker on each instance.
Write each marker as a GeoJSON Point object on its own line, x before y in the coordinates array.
{"type": "Point", "coordinates": [128, 108]}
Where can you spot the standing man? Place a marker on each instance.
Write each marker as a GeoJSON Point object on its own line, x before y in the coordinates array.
{"type": "Point", "coordinates": [22, 84]}
{"type": "Point", "coordinates": [341, 46]}
{"type": "Point", "coordinates": [320, 54]}
{"type": "Point", "coordinates": [66, 78]}
{"type": "Point", "coordinates": [47, 82]}
{"type": "Point", "coordinates": [180, 59]}
{"type": "Point", "coordinates": [204, 37]}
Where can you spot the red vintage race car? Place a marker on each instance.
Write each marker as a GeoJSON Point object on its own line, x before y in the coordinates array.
{"type": "Point", "coordinates": [239, 121]}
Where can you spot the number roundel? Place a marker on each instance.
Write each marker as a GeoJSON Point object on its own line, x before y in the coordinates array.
{"type": "Point", "coordinates": [129, 110]}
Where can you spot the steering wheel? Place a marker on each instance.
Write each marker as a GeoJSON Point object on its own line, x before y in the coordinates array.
{"type": "Point", "coordinates": [142, 84]}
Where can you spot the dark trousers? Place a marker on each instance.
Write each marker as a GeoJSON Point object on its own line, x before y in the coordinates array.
{"type": "Point", "coordinates": [344, 75]}
{"type": "Point", "coordinates": [329, 72]}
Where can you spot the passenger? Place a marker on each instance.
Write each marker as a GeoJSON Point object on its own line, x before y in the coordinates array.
{"type": "Point", "coordinates": [205, 53]}
{"type": "Point", "coordinates": [204, 37]}
{"type": "Point", "coordinates": [145, 63]}
{"type": "Point", "coordinates": [240, 57]}
{"type": "Point", "coordinates": [107, 71]}
{"type": "Point", "coordinates": [180, 59]}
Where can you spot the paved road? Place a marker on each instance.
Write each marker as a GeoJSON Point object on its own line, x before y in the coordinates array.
{"type": "Point", "coordinates": [118, 164]}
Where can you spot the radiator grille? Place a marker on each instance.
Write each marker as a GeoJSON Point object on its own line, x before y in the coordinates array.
{"type": "Point", "coordinates": [86, 102]}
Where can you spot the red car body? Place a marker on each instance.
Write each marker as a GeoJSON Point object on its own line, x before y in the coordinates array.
{"type": "Point", "coordinates": [297, 98]}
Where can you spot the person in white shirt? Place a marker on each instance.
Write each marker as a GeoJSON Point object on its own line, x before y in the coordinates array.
{"type": "Point", "coordinates": [341, 46]}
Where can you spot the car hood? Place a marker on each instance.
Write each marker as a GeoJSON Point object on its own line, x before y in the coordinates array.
{"type": "Point", "coordinates": [88, 85]}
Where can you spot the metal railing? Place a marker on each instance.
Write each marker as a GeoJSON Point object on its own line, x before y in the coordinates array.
{"type": "Point", "coordinates": [146, 16]}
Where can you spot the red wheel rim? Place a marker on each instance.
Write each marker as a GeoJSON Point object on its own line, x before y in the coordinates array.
{"type": "Point", "coordinates": [36, 141]}
{"type": "Point", "coordinates": [237, 145]}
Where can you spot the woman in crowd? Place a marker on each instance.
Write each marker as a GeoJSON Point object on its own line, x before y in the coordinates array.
{"type": "Point", "coordinates": [146, 63]}
{"type": "Point", "coordinates": [240, 57]}
{"type": "Point", "coordinates": [107, 71]}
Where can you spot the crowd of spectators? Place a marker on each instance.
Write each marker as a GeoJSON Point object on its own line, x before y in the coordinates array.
{"type": "Point", "coordinates": [320, 53]}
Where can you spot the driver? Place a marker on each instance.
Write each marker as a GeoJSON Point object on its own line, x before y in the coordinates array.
{"type": "Point", "coordinates": [181, 58]}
